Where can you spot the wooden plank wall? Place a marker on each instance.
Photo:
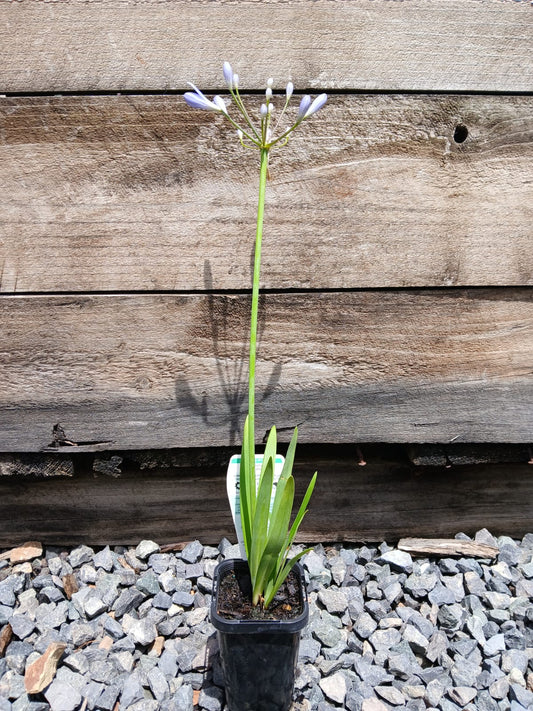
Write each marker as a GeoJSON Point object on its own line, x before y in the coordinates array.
{"type": "Point", "coordinates": [398, 261]}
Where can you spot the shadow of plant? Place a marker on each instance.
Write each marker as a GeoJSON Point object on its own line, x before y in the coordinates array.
{"type": "Point", "coordinates": [231, 368]}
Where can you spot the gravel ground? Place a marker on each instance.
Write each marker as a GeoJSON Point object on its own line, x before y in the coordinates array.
{"type": "Point", "coordinates": [386, 630]}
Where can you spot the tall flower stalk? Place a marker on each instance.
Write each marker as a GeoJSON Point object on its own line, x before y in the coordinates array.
{"type": "Point", "coordinates": [265, 507]}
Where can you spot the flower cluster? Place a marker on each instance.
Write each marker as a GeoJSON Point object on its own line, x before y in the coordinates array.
{"type": "Point", "coordinates": [260, 135]}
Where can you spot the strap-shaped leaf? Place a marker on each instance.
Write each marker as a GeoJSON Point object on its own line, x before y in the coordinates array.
{"type": "Point", "coordinates": [260, 520]}
{"type": "Point", "coordinates": [274, 585]}
{"type": "Point", "coordinates": [245, 489]}
{"type": "Point", "coordinates": [270, 451]}
{"type": "Point", "coordinates": [301, 511]}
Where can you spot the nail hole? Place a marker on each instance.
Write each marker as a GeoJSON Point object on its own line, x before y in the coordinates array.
{"type": "Point", "coordinates": [460, 134]}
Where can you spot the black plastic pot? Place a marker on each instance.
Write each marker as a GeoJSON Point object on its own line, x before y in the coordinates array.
{"type": "Point", "coordinates": [258, 657]}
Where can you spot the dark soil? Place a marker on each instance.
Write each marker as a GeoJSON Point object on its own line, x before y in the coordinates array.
{"type": "Point", "coordinates": [235, 599]}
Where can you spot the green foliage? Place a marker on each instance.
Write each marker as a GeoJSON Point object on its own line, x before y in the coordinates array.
{"type": "Point", "coordinates": [265, 516]}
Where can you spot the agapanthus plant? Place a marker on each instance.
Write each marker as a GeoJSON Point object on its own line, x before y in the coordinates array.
{"type": "Point", "coordinates": [265, 507]}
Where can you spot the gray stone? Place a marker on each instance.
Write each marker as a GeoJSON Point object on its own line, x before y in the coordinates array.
{"type": "Point", "coordinates": [168, 663]}
{"type": "Point", "coordinates": [391, 694]}
{"type": "Point", "coordinates": [87, 574]}
{"type": "Point", "coordinates": [162, 600]}
{"type": "Point", "coordinates": [325, 632]}
{"type": "Point", "coordinates": [435, 690]}
{"type": "Point", "coordinates": [9, 588]}
{"type": "Point", "coordinates": [93, 605]}
{"type": "Point", "coordinates": [365, 625]}
{"type": "Point", "coordinates": [158, 683]}
{"type": "Point", "coordinates": [145, 705]}
{"type": "Point", "coordinates": [80, 555]}
{"type": "Point", "coordinates": [419, 584]}
{"type": "Point", "coordinates": [418, 643]}
{"type": "Point", "coordinates": [107, 587]}
{"type": "Point", "coordinates": [194, 570]}
{"type": "Point", "coordinates": [22, 625]}
{"type": "Point", "coordinates": [16, 655]}
{"type": "Point", "coordinates": [192, 552]}
{"type": "Point", "coordinates": [498, 600]}
{"type": "Point", "coordinates": [441, 595]}
{"type": "Point", "coordinates": [464, 672]}
{"type": "Point", "coordinates": [185, 655]}
{"type": "Point", "coordinates": [335, 601]}
{"type": "Point", "coordinates": [451, 617]}
{"type": "Point", "coordinates": [335, 687]}
{"type": "Point", "coordinates": [204, 584]}
{"type": "Point", "coordinates": [132, 690]}
{"type": "Point", "coordinates": [521, 695]}
{"type": "Point", "coordinates": [108, 698]}
{"type": "Point", "coordinates": [210, 698]}
{"type": "Point", "coordinates": [81, 632]}
{"type": "Point", "coordinates": [183, 698]}
{"type": "Point", "coordinates": [183, 599]}
{"type": "Point", "coordinates": [462, 695]}
{"type": "Point", "coordinates": [145, 549]}
{"type": "Point", "coordinates": [494, 645]}
{"type": "Point", "coordinates": [104, 559]}
{"type": "Point", "coordinates": [474, 584]}
{"type": "Point", "coordinates": [62, 697]}
{"type": "Point", "coordinates": [499, 689]}
{"type": "Point", "coordinates": [400, 561]}
{"type": "Point", "coordinates": [51, 594]}
{"type": "Point", "coordinates": [148, 584]}
{"type": "Point", "coordinates": [514, 659]}
{"type": "Point", "coordinates": [309, 649]}
{"type": "Point", "coordinates": [126, 601]}
{"type": "Point", "coordinates": [384, 639]}
{"type": "Point", "coordinates": [143, 632]}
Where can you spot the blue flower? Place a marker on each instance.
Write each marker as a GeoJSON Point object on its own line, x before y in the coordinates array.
{"type": "Point", "coordinates": [199, 101]}
{"type": "Point", "coordinates": [317, 104]}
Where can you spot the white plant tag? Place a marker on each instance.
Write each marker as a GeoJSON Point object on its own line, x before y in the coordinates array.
{"type": "Point", "coordinates": [232, 484]}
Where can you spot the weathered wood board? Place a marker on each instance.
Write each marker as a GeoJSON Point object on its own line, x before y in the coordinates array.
{"type": "Point", "coordinates": [134, 370]}
{"type": "Point", "coordinates": [423, 45]}
{"type": "Point", "coordinates": [142, 193]}
{"type": "Point", "coordinates": [386, 499]}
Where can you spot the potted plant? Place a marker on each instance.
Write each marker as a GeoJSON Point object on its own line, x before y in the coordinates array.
{"type": "Point", "coordinates": [259, 604]}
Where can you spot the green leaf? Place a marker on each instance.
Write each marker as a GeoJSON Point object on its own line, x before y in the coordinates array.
{"type": "Point", "coordinates": [246, 483]}
{"type": "Point", "coordinates": [260, 520]}
{"type": "Point", "coordinates": [274, 586]}
{"type": "Point", "coordinates": [270, 451]}
{"type": "Point", "coordinates": [301, 511]}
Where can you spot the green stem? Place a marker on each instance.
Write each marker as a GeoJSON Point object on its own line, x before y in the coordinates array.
{"type": "Point", "coordinates": [255, 298]}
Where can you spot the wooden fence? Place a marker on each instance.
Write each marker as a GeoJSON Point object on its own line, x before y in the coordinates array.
{"type": "Point", "coordinates": [398, 261]}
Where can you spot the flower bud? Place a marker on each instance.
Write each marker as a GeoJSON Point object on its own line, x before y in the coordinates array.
{"type": "Point", "coordinates": [220, 104]}
{"type": "Point", "coordinates": [235, 81]}
{"type": "Point", "coordinates": [289, 90]}
{"type": "Point", "coordinates": [270, 83]}
{"type": "Point", "coordinates": [317, 104]}
{"type": "Point", "coordinates": [228, 74]}
{"type": "Point", "coordinates": [304, 105]}
{"type": "Point", "coordinates": [264, 110]}
{"type": "Point", "coordinates": [268, 93]}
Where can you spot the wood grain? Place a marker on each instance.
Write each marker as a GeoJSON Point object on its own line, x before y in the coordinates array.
{"type": "Point", "coordinates": [141, 371]}
{"type": "Point", "coordinates": [423, 45]}
{"type": "Point", "coordinates": [142, 193]}
{"type": "Point", "coordinates": [445, 547]}
{"type": "Point", "coordinates": [385, 500]}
